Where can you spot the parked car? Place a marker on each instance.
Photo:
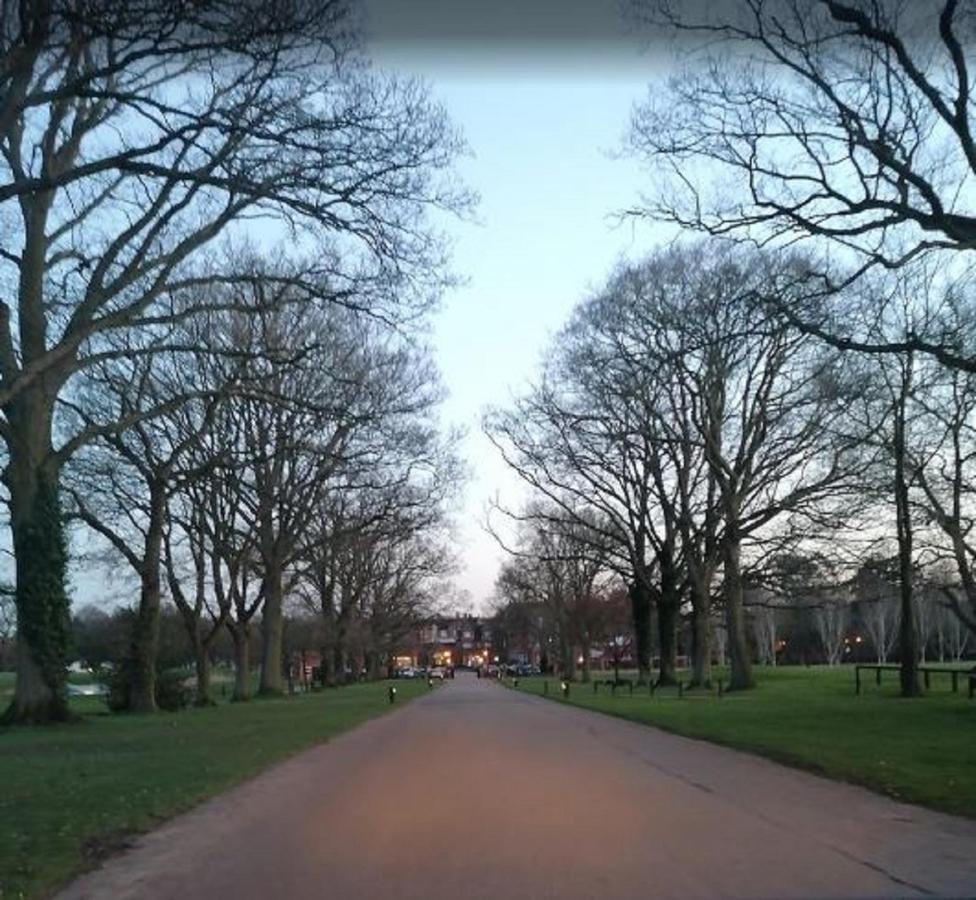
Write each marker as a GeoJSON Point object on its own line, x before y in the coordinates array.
{"type": "Point", "coordinates": [407, 672]}
{"type": "Point", "coordinates": [437, 672]}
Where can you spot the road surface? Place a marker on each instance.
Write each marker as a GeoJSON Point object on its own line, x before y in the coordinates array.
{"type": "Point", "coordinates": [475, 791]}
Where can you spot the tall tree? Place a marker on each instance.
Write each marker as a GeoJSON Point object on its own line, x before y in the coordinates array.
{"type": "Point", "coordinates": [157, 409]}
{"type": "Point", "coordinates": [131, 136]}
{"type": "Point", "coordinates": [848, 125]}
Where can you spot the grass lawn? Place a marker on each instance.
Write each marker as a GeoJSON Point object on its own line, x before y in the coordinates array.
{"type": "Point", "coordinates": [71, 793]}
{"type": "Point", "coordinates": [921, 750]}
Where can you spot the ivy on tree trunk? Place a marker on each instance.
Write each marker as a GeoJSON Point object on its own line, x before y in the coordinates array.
{"type": "Point", "coordinates": [40, 549]}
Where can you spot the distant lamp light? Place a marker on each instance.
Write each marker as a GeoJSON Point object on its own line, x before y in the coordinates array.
{"type": "Point", "coordinates": [858, 639]}
{"type": "Point", "coordinates": [496, 659]}
{"type": "Point", "coordinates": [579, 661]}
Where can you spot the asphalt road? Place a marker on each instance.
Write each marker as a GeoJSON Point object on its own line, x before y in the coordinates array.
{"type": "Point", "coordinates": [475, 791]}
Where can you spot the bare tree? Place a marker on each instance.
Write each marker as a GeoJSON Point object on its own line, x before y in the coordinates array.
{"type": "Point", "coordinates": [131, 136]}
{"type": "Point", "coordinates": [203, 619]}
{"type": "Point", "coordinates": [764, 401]}
{"type": "Point", "coordinates": [833, 617]}
{"type": "Point", "coordinates": [879, 608]}
{"type": "Point", "coordinates": [590, 439]}
{"type": "Point", "coordinates": [848, 123]}
{"type": "Point", "coordinates": [136, 472]}
{"type": "Point", "coordinates": [846, 120]}
{"type": "Point", "coordinates": [550, 570]}
{"type": "Point", "coordinates": [344, 462]}
{"type": "Point", "coordinates": [764, 615]}
{"type": "Point", "coordinates": [954, 637]}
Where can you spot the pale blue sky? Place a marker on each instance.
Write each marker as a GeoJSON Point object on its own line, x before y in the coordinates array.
{"type": "Point", "coordinates": [543, 128]}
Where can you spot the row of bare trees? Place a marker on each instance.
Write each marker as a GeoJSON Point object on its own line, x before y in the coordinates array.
{"type": "Point", "coordinates": [296, 458]}
{"type": "Point", "coordinates": [135, 137]}
{"type": "Point", "coordinates": [714, 406]}
{"type": "Point", "coordinates": [693, 440]}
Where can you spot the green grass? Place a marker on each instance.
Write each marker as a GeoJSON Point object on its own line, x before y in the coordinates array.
{"type": "Point", "coordinates": [72, 792]}
{"type": "Point", "coordinates": [921, 750]}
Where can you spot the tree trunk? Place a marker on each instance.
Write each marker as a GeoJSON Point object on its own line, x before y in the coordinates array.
{"type": "Point", "coordinates": [341, 660]}
{"type": "Point", "coordinates": [271, 632]}
{"type": "Point", "coordinates": [907, 631]}
{"type": "Point", "coordinates": [668, 607]}
{"type": "Point", "coordinates": [40, 557]}
{"type": "Point", "coordinates": [242, 662]}
{"type": "Point", "coordinates": [145, 642]}
{"type": "Point", "coordinates": [329, 666]}
{"type": "Point", "coordinates": [701, 636]}
{"type": "Point", "coordinates": [740, 663]}
{"type": "Point", "coordinates": [567, 659]}
{"type": "Point", "coordinates": [374, 666]}
{"type": "Point", "coordinates": [640, 606]}
{"type": "Point", "coordinates": [145, 630]}
{"type": "Point", "coordinates": [202, 662]}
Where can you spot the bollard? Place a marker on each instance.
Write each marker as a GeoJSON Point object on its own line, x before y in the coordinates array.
{"type": "Point", "coordinates": [514, 682]}
{"type": "Point", "coordinates": [630, 687]}
{"type": "Point", "coordinates": [650, 687]}
{"type": "Point", "coordinates": [681, 690]}
{"type": "Point", "coordinates": [857, 679]}
{"type": "Point", "coordinates": [392, 694]}
{"type": "Point", "coordinates": [565, 689]}
{"type": "Point", "coordinates": [721, 687]}
{"type": "Point", "coordinates": [545, 687]}
{"type": "Point", "coordinates": [430, 683]}
{"type": "Point", "coordinates": [595, 683]}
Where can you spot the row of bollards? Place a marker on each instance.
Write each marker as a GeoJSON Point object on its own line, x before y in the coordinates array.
{"type": "Point", "coordinates": [651, 688]}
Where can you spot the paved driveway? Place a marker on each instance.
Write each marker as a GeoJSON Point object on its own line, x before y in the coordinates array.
{"type": "Point", "coordinates": [475, 791]}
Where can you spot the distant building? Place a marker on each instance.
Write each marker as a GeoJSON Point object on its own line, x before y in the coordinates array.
{"type": "Point", "coordinates": [460, 640]}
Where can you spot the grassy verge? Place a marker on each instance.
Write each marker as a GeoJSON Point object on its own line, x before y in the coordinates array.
{"type": "Point", "coordinates": [922, 750]}
{"type": "Point", "coordinates": [72, 793]}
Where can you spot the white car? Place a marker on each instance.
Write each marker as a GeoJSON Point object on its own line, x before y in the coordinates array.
{"type": "Point", "coordinates": [437, 672]}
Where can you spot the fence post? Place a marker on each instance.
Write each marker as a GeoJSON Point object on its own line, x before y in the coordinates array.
{"type": "Point", "coordinates": [857, 679]}
{"type": "Point", "coordinates": [630, 686]}
{"type": "Point", "coordinates": [545, 687]}
{"type": "Point", "coordinates": [877, 676]}
{"type": "Point", "coordinates": [955, 682]}
{"type": "Point", "coordinates": [925, 675]}
{"type": "Point", "coordinates": [681, 689]}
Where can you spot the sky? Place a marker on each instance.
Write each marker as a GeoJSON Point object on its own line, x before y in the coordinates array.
{"type": "Point", "coordinates": [543, 95]}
